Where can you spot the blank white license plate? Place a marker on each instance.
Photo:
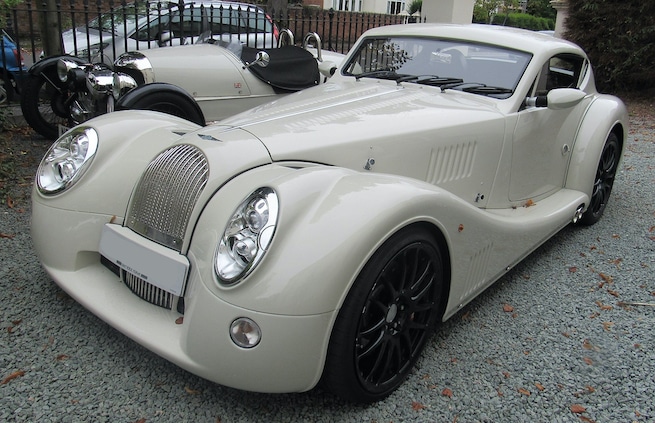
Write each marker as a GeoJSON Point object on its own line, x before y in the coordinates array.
{"type": "Point", "coordinates": [159, 266]}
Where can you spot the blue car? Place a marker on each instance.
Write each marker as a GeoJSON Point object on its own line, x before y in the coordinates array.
{"type": "Point", "coordinates": [13, 68]}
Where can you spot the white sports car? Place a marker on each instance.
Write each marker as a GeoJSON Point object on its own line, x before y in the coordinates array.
{"type": "Point", "coordinates": [321, 237]}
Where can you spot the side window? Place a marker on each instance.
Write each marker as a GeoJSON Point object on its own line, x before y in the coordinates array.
{"type": "Point", "coordinates": [561, 71]}
{"type": "Point", "coordinates": [152, 30]}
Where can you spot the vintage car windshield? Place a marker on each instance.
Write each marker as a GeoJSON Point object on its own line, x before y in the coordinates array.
{"type": "Point", "coordinates": [476, 68]}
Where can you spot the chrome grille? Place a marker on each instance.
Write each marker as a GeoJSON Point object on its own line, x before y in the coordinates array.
{"type": "Point", "coordinates": [166, 194]}
{"type": "Point", "coordinates": [146, 291]}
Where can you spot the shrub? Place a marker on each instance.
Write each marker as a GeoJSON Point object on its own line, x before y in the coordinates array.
{"type": "Point", "coordinates": [618, 37]}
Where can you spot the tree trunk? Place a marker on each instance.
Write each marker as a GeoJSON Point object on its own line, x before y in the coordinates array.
{"type": "Point", "coordinates": [50, 32]}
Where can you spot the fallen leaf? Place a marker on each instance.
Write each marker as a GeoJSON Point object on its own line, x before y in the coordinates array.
{"type": "Point", "coordinates": [539, 386]}
{"type": "Point", "coordinates": [508, 308]}
{"type": "Point", "coordinates": [14, 375]}
{"type": "Point", "coordinates": [613, 293]}
{"type": "Point", "coordinates": [447, 392]}
{"type": "Point", "coordinates": [417, 406]}
{"type": "Point", "coordinates": [62, 357]}
{"type": "Point", "coordinates": [588, 361]}
{"type": "Point", "coordinates": [191, 391]}
{"type": "Point", "coordinates": [590, 389]}
{"type": "Point", "coordinates": [179, 320]}
{"type": "Point", "coordinates": [606, 278]}
{"type": "Point", "coordinates": [140, 421]}
{"type": "Point", "coordinates": [10, 202]}
{"type": "Point", "coordinates": [573, 269]}
{"type": "Point", "coordinates": [578, 409]}
{"type": "Point", "coordinates": [506, 374]}
{"type": "Point", "coordinates": [587, 345]}
{"type": "Point", "coordinates": [529, 203]}
{"type": "Point", "coordinates": [9, 236]}
{"type": "Point", "coordinates": [460, 228]}
{"type": "Point", "coordinates": [608, 325]}
{"type": "Point", "coordinates": [524, 392]}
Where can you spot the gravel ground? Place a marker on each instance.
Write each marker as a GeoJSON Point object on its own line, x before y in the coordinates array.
{"type": "Point", "coordinates": [554, 340]}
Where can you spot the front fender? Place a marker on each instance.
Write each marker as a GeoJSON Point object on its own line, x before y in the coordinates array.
{"type": "Point", "coordinates": [144, 97]}
{"type": "Point", "coordinates": [331, 222]}
{"type": "Point", "coordinates": [49, 65]}
{"type": "Point", "coordinates": [130, 139]}
{"type": "Point", "coordinates": [606, 114]}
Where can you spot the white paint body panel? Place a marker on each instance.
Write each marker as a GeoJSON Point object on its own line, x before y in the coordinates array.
{"type": "Point", "coordinates": [352, 162]}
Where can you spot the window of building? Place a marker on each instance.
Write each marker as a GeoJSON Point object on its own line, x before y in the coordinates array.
{"type": "Point", "coordinates": [395, 7]}
{"type": "Point", "coordinates": [347, 5]}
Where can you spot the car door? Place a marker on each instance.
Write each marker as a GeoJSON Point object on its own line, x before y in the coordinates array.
{"type": "Point", "coordinates": [543, 137]}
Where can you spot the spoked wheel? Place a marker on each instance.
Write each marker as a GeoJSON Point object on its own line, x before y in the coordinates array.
{"type": "Point", "coordinates": [386, 319]}
{"type": "Point", "coordinates": [43, 106]}
{"type": "Point", "coordinates": [605, 174]}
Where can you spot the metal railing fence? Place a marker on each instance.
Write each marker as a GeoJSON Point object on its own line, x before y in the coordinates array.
{"type": "Point", "coordinates": [126, 28]}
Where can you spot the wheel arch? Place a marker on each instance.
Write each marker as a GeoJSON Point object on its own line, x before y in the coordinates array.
{"type": "Point", "coordinates": [353, 214]}
{"type": "Point", "coordinates": [136, 98]}
{"type": "Point", "coordinates": [605, 115]}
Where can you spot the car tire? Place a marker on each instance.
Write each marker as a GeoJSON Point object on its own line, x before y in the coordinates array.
{"type": "Point", "coordinates": [171, 104]}
{"type": "Point", "coordinates": [604, 180]}
{"type": "Point", "coordinates": [42, 106]}
{"type": "Point", "coordinates": [386, 319]}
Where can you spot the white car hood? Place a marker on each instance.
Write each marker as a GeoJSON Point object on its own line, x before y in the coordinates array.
{"type": "Point", "coordinates": [326, 121]}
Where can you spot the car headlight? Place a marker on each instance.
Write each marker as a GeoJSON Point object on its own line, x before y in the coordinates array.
{"type": "Point", "coordinates": [122, 84]}
{"type": "Point", "coordinates": [67, 160]}
{"type": "Point", "coordinates": [247, 236]}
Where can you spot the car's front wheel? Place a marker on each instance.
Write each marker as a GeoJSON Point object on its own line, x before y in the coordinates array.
{"type": "Point", "coordinates": [386, 319]}
{"type": "Point", "coordinates": [605, 174]}
{"type": "Point", "coordinates": [43, 106]}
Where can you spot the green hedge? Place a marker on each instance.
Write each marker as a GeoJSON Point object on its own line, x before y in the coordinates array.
{"type": "Point", "coordinates": [619, 37]}
{"type": "Point", "coordinates": [525, 21]}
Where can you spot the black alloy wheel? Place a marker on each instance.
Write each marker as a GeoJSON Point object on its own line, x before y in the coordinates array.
{"type": "Point", "coordinates": [386, 319]}
{"type": "Point", "coordinates": [605, 175]}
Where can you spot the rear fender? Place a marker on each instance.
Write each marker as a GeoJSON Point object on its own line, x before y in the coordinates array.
{"type": "Point", "coordinates": [605, 115]}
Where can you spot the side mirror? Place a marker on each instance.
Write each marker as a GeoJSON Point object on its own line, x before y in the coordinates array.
{"type": "Point", "coordinates": [327, 68]}
{"type": "Point", "coordinates": [557, 99]}
{"type": "Point", "coordinates": [563, 98]}
{"type": "Point", "coordinates": [261, 59]}
{"type": "Point", "coordinates": [164, 38]}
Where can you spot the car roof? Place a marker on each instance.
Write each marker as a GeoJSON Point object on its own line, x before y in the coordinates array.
{"type": "Point", "coordinates": [515, 38]}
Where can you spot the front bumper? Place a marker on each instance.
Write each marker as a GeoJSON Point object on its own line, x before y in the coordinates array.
{"type": "Point", "coordinates": [289, 358]}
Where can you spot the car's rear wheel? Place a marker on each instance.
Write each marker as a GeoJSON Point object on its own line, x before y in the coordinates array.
{"type": "Point", "coordinates": [386, 319]}
{"type": "Point", "coordinates": [605, 174]}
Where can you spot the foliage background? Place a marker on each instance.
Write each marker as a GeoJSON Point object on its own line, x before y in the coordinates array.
{"type": "Point", "coordinates": [619, 37]}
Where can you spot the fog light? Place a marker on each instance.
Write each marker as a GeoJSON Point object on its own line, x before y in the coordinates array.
{"type": "Point", "coordinates": [245, 333]}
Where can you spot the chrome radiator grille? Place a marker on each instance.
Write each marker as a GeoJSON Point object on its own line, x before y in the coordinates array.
{"type": "Point", "coordinates": [166, 194]}
{"type": "Point", "coordinates": [147, 292]}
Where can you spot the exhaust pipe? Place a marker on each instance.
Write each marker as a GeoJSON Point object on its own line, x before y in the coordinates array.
{"type": "Point", "coordinates": [578, 213]}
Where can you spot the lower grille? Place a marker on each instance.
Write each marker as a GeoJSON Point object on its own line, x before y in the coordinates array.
{"type": "Point", "coordinates": [147, 292]}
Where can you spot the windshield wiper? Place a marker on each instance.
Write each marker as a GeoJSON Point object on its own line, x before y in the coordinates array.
{"type": "Point", "coordinates": [477, 88]}
{"type": "Point", "coordinates": [382, 74]}
{"type": "Point", "coordinates": [438, 81]}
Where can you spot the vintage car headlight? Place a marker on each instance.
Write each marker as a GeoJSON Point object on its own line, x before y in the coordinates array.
{"type": "Point", "coordinates": [64, 67]}
{"type": "Point", "coordinates": [67, 160]}
{"type": "Point", "coordinates": [122, 84]}
{"type": "Point", "coordinates": [247, 236]}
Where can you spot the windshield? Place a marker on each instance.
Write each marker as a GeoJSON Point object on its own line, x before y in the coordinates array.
{"type": "Point", "coordinates": [450, 64]}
